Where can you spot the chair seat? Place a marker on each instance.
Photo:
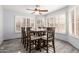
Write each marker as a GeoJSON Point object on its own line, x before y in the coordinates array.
{"type": "Point", "coordinates": [45, 38]}
{"type": "Point", "coordinates": [35, 37]}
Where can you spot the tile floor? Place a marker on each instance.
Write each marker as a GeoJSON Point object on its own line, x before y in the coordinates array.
{"type": "Point", "coordinates": [15, 46]}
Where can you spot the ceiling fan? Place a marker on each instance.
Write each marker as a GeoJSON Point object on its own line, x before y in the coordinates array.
{"type": "Point", "coordinates": [38, 9]}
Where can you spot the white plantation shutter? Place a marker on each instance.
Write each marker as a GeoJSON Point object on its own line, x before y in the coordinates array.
{"type": "Point", "coordinates": [74, 21]}
{"type": "Point", "coordinates": [58, 21]}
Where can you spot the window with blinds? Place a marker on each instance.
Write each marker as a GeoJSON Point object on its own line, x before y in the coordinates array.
{"type": "Point", "coordinates": [22, 21]}
{"type": "Point", "coordinates": [74, 21]}
{"type": "Point", "coordinates": [77, 21]}
{"type": "Point", "coordinates": [58, 21]}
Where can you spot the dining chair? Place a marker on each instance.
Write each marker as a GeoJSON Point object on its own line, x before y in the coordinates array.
{"type": "Point", "coordinates": [49, 38]}
{"type": "Point", "coordinates": [24, 37]}
{"type": "Point", "coordinates": [32, 40]}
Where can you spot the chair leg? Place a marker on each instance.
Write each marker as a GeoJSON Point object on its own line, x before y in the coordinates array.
{"type": "Point", "coordinates": [43, 43]}
{"type": "Point", "coordinates": [47, 49]}
{"type": "Point", "coordinates": [35, 43]}
{"type": "Point", "coordinates": [47, 46]}
{"type": "Point", "coordinates": [24, 43]}
{"type": "Point", "coordinates": [40, 44]}
{"type": "Point", "coordinates": [21, 40]}
{"type": "Point", "coordinates": [26, 46]}
{"type": "Point", "coordinates": [30, 47]}
{"type": "Point", "coordinates": [53, 46]}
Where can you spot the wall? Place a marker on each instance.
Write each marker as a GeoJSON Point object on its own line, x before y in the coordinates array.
{"type": "Point", "coordinates": [1, 24]}
{"type": "Point", "coordinates": [66, 37]}
{"type": "Point", "coordinates": [9, 23]}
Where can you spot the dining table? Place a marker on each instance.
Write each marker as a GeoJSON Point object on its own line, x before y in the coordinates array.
{"type": "Point", "coordinates": [40, 33]}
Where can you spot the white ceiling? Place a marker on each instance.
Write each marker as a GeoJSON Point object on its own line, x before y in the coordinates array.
{"type": "Point", "coordinates": [22, 8]}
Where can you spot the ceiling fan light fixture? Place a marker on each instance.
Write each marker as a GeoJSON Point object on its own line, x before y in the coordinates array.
{"type": "Point", "coordinates": [38, 10]}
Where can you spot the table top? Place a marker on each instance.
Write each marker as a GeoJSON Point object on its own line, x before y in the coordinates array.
{"type": "Point", "coordinates": [38, 30]}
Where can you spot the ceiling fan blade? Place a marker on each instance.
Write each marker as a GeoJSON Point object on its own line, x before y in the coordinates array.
{"type": "Point", "coordinates": [43, 10]}
{"type": "Point", "coordinates": [30, 9]}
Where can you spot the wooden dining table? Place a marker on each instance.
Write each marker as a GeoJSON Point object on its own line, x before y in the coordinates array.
{"type": "Point", "coordinates": [38, 32]}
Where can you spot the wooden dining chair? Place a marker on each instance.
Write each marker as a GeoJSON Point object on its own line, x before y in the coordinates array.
{"type": "Point", "coordinates": [24, 37]}
{"type": "Point", "coordinates": [49, 37]}
{"type": "Point", "coordinates": [32, 40]}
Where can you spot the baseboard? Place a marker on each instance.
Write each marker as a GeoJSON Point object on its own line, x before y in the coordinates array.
{"type": "Point", "coordinates": [12, 38]}
{"type": "Point", "coordinates": [68, 43]}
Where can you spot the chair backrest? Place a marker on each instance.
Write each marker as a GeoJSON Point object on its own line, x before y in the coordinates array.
{"type": "Point", "coordinates": [23, 33]}
{"type": "Point", "coordinates": [39, 27]}
{"type": "Point", "coordinates": [28, 33]}
{"type": "Point", "coordinates": [50, 32]}
{"type": "Point", "coordinates": [44, 27]}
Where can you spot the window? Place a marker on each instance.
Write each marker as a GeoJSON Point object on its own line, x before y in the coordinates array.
{"type": "Point", "coordinates": [77, 21]}
{"type": "Point", "coordinates": [74, 21]}
{"type": "Point", "coordinates": [21, 21]}
{"type": "Point", "coordinates": [32, 22]}
{"type": "Point", "coordinates": [43, 22]}
{"type": "Point", "coordinates": [50, 22]}
{"type": "Point", "coordinates": [40, 21]}
{"type": "Point", "coordinates": [62, 23]}
{"type": "Point", "coordinates": [58, 21]}
{"type": "Point", "coordinates": [47, 21]}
